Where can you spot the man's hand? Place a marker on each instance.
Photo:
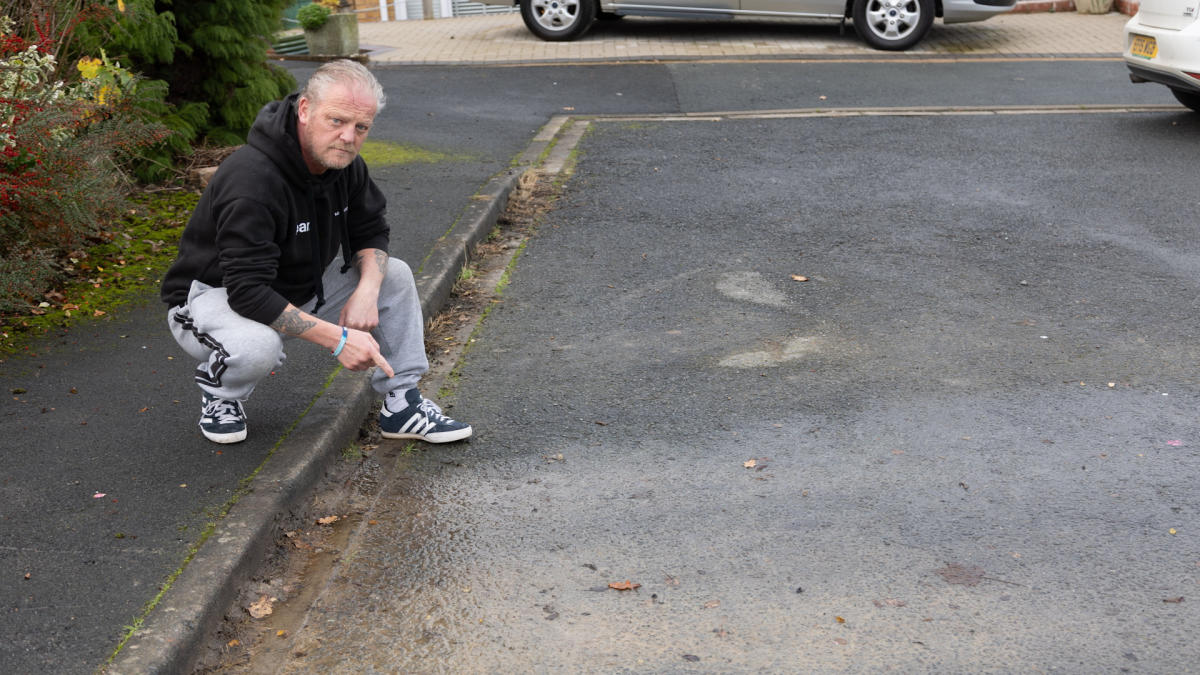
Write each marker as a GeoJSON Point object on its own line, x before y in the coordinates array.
{"type": "Point", "coordinates": [361, 351]}
{"type": "Point", "coordinates": [361, 311]}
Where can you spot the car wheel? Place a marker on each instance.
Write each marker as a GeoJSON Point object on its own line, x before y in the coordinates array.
{"type": "Point", "coordinates": [892, 24]}
{"type": "Point", "coordinates": [1189, 98]}
{"type": "Point", "coordinates": [558, 20]}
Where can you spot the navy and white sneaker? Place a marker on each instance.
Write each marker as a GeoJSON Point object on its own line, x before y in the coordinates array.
{"type": "Point", "coordinates": [223, 420]}
{"type": "Point", "coordinates": [421, 419]}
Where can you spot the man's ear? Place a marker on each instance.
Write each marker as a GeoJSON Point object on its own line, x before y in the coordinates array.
{"type": "Point", "coordinates": [302, 110]}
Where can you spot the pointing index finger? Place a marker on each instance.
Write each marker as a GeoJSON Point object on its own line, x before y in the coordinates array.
{"type": "Point", "coordinates": [383, 364]}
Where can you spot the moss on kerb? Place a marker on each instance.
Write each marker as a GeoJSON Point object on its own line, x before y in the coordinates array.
{"type": "Point", "coordinates": [386, 153]}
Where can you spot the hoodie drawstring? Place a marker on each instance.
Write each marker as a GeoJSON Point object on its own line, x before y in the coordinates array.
{"type": "Point", "coordinates": [347, 261]}
{"type": "Point", "coordinates": [315, 247]}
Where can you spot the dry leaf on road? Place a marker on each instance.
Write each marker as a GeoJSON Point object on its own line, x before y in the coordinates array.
{"type": "Point", "coordinates": [262, 607]}
{"type": "Point", "coordinates": [626, 585]}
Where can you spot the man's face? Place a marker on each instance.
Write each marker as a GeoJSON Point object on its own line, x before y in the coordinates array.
{"type": "Point", "coordinates": [333, 129]}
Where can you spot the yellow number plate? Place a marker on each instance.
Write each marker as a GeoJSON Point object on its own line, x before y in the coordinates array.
{"type": "Point", "coordinates": [1144, 46]}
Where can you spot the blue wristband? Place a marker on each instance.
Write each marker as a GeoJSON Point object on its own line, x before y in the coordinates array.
{"type": "Point", "coordinates": [341, 344]}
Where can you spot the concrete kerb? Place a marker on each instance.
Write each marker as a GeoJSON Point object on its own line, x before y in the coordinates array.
{"type": "Point", "coordinates": [441, 267]}
{"type": "Point", "coordinates": [176, 631]}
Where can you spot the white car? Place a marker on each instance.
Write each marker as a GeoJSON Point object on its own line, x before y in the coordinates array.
{"type": "Point", "coordinates": [1162, 44]}
{"type": "Point", "coordinates": [883, 24]}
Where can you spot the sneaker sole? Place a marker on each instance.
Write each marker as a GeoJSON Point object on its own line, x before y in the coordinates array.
{"type": "Point", "coordinates": [443, 437]}
{"type": "Point", "coordinates": [235, 437]}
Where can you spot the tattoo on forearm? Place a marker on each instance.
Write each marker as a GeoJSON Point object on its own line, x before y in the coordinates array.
{"type": "Point", "coordinates": [292, 322]}
{"type": "Point", "coordinates": [381, 259]}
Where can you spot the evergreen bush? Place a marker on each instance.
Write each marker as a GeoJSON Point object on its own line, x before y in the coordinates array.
{"type": "Point", "coordinates": [312, 17]}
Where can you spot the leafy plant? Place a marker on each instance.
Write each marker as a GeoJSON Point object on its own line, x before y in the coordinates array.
{"type": "Point", "coordinates": [63, 147]}
{"type": "Point", "coordinates": [313, 16]}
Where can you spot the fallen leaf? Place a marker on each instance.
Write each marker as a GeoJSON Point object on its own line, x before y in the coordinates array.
{"type": "Point", "coordinates": [1171, 531]}
{"type": "Point", "coordinates": [750, 463]}
{"type": "Point", "coordinates": [262, 607]}
{"type": "Point", "coordinates": [30, 576]}
{"type": "Point", "coordinates": [799, 277]}
{"type": "Point", "coordinates": [839, 619]}
{"type": "Point", "coordinates": [327, 520]}
{"type": "Point", "coordinates": [1172, 600]}
{"type": "Point", "coordinates": [691, 657]}
{"type": "Point", "coordinates": [711, 604]}
{"type": "Point", "coordinates": [233, 643]}
{"type": "Point", "coordinates": [281, 633]}
{"type": "Point", "coordinates": [840, 641]}
{"type": "Point", "coordinates": [626, 585]}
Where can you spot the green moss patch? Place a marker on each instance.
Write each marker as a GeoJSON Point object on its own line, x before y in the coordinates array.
{"type": "Point", "coordinates": [384, 153]}
{"type": "Point", "coordinates": [123, 262]}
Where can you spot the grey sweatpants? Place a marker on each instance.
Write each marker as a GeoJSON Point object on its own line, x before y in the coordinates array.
{"type": "Point", "coordinates": [235, 353]}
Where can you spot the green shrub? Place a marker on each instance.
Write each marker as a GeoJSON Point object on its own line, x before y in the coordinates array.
{"type": "Point", "coordinates": [312, 17]}
{"type": "Point", "coordinates": [63, 148]}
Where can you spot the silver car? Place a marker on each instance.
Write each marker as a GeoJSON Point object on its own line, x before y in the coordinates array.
{"type": "Point", "coordinates": [883, 24]}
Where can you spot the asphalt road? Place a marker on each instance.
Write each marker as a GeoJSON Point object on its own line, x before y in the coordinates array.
{"type": "Point", "coordinates": [82, 427]}
{"type": "Point", "coordinates": [966, 443]}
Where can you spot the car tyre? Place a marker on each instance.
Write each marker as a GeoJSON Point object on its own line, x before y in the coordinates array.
{"type": "Point", "coordinates": [558, 20]}
{"type": "Point", "coordinates": [1189, 98]}
{"type": "Point", "coordinates": [893, 25]}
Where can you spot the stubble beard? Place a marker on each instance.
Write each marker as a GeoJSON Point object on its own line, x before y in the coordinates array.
{"type": "Point", "coordinates": [337, 158]}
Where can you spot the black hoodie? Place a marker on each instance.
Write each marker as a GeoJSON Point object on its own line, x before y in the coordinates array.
{"type": "Point", "coordinates": [266, 227]}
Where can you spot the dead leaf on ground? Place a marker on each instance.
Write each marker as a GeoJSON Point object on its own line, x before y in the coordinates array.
{"type": "Point", "coordinates": [750, 463]}
{"type": "Point", "coordinates": [799, 277]}
{"type": "Point", "coordinates": [1174, 600]}
{"type": "Point", "coordinates": [262, 607]}
{"type": "Point", "coordinates": [961, 575]}
{"type": "Point", "coordinates": [327, 520]}
{"type": "Point", "coordinates": [626, 585]}
{"type": "Point", "coordinates": [712, 604]}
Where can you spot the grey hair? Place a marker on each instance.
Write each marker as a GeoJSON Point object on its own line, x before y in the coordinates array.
{"type": "Point", "coordinates": [343, 71]}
